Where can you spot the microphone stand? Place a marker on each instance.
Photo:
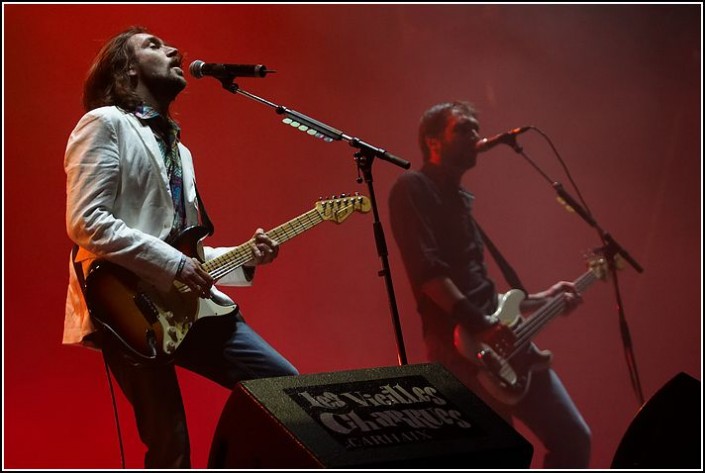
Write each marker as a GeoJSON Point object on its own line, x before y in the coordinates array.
{"type": "Point", "coordinates": [364, 158]}
{"type": "Point", "coordinates": [611, 249]}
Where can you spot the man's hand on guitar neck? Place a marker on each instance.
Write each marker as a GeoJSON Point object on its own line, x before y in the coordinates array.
{"type": "Point", "coordinates": [566, 289]}
{"type": "Point", "coordinates": [264, 249]}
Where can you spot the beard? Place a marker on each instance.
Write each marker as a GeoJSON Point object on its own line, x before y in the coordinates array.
{"type": "Point", "coordinates": [459, 155]}
{"type": "Point", "coordinates": [165, 87]}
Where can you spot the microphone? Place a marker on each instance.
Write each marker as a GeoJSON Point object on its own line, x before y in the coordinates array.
{"type": "Point", "coordinates": [199, 69]}
{"type": "Point", "coordinates": [507, 138]}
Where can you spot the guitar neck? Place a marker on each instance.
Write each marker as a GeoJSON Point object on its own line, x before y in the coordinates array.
{"type": "Point", "coordinates": [233, 259]}
{"type": "Point", "coordinates": [585, 281]}
{"type": "Point", "coordinates": [555, 306]}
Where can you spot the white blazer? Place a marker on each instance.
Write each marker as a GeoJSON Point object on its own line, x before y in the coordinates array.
{"type": "Point", "coordinates": [119, 207]}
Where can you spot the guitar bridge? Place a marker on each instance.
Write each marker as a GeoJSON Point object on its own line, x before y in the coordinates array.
{"type": "Point", "coordinates": [499, 367]}
{"type": "Point", "coordinates": [490, 359]}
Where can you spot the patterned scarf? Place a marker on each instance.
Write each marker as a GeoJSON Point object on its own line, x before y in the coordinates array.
{"type": "Point", "coordinates": [168, 145]}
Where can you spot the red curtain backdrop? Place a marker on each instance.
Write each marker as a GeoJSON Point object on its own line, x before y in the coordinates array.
{"type": "Point", "coordinates": [616, 88]}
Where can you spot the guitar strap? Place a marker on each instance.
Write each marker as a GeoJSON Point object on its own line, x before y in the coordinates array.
{"type": "Point", "coordinates": [509, 274]}
{"type": "Point", "coordinates": [204, 215]}
{"type": "Point", "coordinates": [78, 269]}
{"type": "Point", "coordinates": [96, 338]}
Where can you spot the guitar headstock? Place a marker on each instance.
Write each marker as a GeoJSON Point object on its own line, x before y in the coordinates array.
{"type": "Point", "coordinates": [598, 263]}
{"type": "Point", "coordinates": [338, 209]}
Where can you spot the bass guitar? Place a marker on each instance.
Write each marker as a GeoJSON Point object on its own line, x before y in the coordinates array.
{"type": "Point", "coordinates": [152, 324]}
{"type": "Point", "coordinates": [505, 353]}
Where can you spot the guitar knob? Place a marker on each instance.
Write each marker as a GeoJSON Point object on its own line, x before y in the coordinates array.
{"type": "Point", "coordinates": [170, 347]}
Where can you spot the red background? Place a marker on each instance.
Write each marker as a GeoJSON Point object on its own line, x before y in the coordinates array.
{"type": "Point", "coordinates": [615, 87]}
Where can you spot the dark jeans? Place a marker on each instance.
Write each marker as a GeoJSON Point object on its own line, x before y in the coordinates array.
{"type": "Point", "coordinates": [221, 348]}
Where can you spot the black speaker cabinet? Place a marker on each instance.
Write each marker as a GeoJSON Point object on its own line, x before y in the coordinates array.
{"type": "Point", "coordinates": [412, 416]}
{"type": "Point", "coordinates": [665, 433]}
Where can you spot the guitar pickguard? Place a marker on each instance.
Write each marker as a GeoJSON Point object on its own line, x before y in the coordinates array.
{"type": "Point", "coordinates": [178, 311]}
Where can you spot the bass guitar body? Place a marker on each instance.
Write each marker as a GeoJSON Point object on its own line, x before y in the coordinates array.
{"type": "Point", "coordinates": [506, 370]}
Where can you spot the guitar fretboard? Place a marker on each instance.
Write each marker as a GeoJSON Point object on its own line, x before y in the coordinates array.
{"type": "Point", "coordinates": [233, 259]}
{"type": "Point", "coordinates": [528, 330]}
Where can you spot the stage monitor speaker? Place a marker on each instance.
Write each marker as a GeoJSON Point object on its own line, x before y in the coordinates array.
{"type": "Point", "coordinates": [665, 433]}
{"type": "Point", "coordinates": [412, 416]}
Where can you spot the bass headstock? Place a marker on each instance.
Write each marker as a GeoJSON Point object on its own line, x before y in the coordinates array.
{"type": "Point", "coordinates": [598, 262]}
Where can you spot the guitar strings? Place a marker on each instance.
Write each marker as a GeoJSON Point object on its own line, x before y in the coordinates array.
{"type": "Point", "coordinates": [241, 255]}
{"type": "Point", "coordinates": [223, 264]}
{"type": "Point", "coordinates": [532, 326]}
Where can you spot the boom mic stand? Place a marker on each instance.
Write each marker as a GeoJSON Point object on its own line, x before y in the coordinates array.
{"type": "Point", "coordinates": [611, 249]}
{"type": "Point", "coordinates": [364, 158]}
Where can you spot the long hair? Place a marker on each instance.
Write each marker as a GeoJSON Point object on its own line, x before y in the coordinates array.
{"type": "Point", "coordinates": [108, 81]}
{"type": "Point", "coordinates": [433, 122]}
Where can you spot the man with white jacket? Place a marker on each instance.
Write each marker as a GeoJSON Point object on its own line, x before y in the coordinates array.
{"type": "Point", "coordinates": [130, 189]}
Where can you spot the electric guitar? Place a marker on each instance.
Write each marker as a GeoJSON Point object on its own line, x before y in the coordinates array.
{"type": "Point", "coordinates": [150, 323]}
{"type": "Point", "coordinates": [505, 353]}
